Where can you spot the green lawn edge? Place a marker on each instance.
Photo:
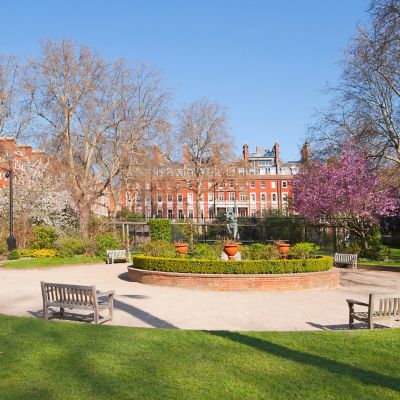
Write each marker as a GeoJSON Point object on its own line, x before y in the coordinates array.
{"type": "Point", "coordinates": [33, 263]}
{"type": "Point", "coordinates": [57, 360]}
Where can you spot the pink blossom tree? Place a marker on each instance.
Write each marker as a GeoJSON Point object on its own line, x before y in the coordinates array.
{"type": "Point", "coordinates": [347, 189]}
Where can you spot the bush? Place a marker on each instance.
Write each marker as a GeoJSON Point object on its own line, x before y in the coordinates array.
{"type": "Point", "coordinates": [259, 251]}
{"type": "Point", "coordinates": [127, 215]}
{"type": "Point", "coordinates": [160, 229]}
{"type": "Point", "coordinates": [13, 255]}
{"type": "Point", "coordinates": [43, 237]}
{"type": "Point", "coordinates": [159, 248]}
{"type": "Point", "coordinates": [106, 242]}
{"type": "Point", "coordinates": [26, 252]}
{"type": "Point", "coordinates": [44, 253]}
{"type": "Point", "coordinates": [186, 265]}
{"type": "Point", "coordinates": [206, 252]}
{"type": "Point", "coordinates": [303, 250]}
{"type": "Point", "coordinates": [72, 246]}
{"type": "Point", "coordinates": [353, 248]}
{"type": "Point", "coordinates": [380, 253]}
{"type": "Point", "coordinates": [3, 247]}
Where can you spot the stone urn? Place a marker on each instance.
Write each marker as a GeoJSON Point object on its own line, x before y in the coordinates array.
{"type": "Point", "coordinates": [181, 248]}
{"type": "Point", "coordinates": [230, 250]}
{"type": "Point", "coordinates": [283, 249]}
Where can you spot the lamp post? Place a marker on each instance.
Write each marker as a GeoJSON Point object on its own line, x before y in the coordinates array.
{"type": "Point", "coordinates": [11, 242]}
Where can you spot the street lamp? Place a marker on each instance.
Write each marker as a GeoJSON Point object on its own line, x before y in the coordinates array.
{"type": "Point", "coordinates": [11, 242]}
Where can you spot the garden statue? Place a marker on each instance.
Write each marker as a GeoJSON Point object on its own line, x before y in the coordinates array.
{"type": "Point", "coordinates": [232, 223]}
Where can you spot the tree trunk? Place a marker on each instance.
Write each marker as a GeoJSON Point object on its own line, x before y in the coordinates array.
{"type": "Point", "coordinates": [84, 217]}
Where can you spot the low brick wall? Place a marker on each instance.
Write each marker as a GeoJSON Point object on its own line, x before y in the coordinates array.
{"type": "Point", "coordinates": [225, 282]}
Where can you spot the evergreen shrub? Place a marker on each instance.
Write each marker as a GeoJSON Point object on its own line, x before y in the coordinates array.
{"type": "Point", "coordinates": [160, 229]}
{"type": "Point", "coordinates": [106, 242]}
{"type": "Point", "coordinates": [159, 248]}
{"type": "Point", "coordinates": [186, 265]}
{"type": "Point", "coordinates": [43, 237]}
{"type": "Point", "coordinates": [72, 246]}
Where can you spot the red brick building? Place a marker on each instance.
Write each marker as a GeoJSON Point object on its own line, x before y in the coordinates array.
{"type": "Point", "coordinates": [258, 183]}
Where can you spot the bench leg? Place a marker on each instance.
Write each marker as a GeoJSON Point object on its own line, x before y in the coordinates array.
{"type": "Point", "coordinates": [61, 311]}
{"type": "Point", "coordinates": [45, 313]}
{"type": "Point", "coordinates": [351, 319]}
{"type": "Point", "coordinates": [96, 317]}
{"type": "Point", "coordinates": [110, 309]}
{"type": "Point", "coordinates": [370, 322]}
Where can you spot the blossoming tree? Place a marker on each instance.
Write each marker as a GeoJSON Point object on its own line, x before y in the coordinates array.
{"type": "Point", "coordinates": [346, 189]}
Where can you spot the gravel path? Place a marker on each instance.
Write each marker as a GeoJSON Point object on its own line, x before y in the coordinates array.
{"type": "Point", "coordinates": [167, 307]}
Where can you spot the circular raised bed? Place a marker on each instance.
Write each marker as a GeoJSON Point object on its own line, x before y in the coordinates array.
{"type": "Point", "coordinates": [263, 275]}
{"type": "Point", "coordinates": [267, 282]}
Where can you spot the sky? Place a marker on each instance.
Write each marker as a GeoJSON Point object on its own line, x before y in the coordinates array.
{"type": "Point", "coordinates": [266, 61]}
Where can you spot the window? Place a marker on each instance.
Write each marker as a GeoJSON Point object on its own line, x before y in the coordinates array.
{"type": "Point", "coordinates": [210, 197]}
{"type": "Point", "coordinates": [180, 214]}
{"type": "Point", "coordinates": [263, 197]}
{"type": "Point", "coordinates": [263, 184]}
{"type": "Point", "coordinates": [159, 197]}
{"type": "Point", "coordinates": [231, 184]}
{"type": "Point", "coordinates": [284, 184]}
{"type": "Point", "coordinates": [252, 197]}
{"type": "Point", "coordinates": [169, 198]}
{"type": "Point", "coordinates": [251, 171]}
{"type": "Point", "coordinates": [262, 171]}
{"type": "Point", "coordinates": [147, 185]}
{"type": "Point", "coordinates": [273, 185]}
{"type": "Point", "coordinates": [241, 171]}
{"type": "Point", "coordinates": [231, 196]}
{"type": "Point", "coordinates": [190, 213]}
{"type": "Point", "coordinates": [284, 197]}
{"type": "Point", "coordinates": [253, 213]}
{"type": "Point", "coordinates": [190, 185]}
{"type": "Point", "coordinates": [264, 163]}
{"type": "Point", "coordinates": [274, 197]}
{"type": "Point", "coordinates": [252, 184]}
{"type": "Point", "coordinates": [158, 185]}
{"type": "Point", "coordinates": [190, 198]}
{"type": "Point", "coordinates": [242, 196]}
{"type": "Point", "coordinates": [221, 196]}
{"type": "Point", "coordinates": [169, 214]}
{"type": "Point", "coordinates": [179, 197]}
{"type": "Point", "coordinates": [159, 213]}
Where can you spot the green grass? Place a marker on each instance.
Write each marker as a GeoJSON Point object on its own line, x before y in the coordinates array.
{"type": "Point", "coordinates": [49, 262]}
{"type": "Point", "coordinates": [394, 259]}
{"type": "Point", "coordinates": [55, 360]}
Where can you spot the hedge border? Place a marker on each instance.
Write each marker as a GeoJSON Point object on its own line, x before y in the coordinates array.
{"type": "Point", "coordinates": [185, 265]}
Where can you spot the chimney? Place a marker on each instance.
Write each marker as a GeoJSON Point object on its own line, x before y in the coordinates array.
{"type": "Point", "coordinates": [305, 152]}
{"type": "Point", "coordinates": [185, 155]}
{"type": "Point", "coordinates": [276, 151]}
{"type": "Point", "coordinates": [245, 153]}
{"type": "Point", "coordinates": [156, 155]}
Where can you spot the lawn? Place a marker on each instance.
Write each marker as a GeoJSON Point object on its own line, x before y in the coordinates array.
{"type": "Point", "coordinates": [49, 262]}
{"type": "Point", "coordinates": [394, 259]}
{"type": "Point", "coordinates": [58, 360]}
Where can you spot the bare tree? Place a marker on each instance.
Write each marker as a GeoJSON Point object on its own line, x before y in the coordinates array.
{"type": "Point", "coordinates": [366, 103]}
{"type": "Point", "coordinates": [13, 118]}
{"type": "Point", "coordinates": [208, 146]}
{"type": "Point", "coordinates": [93, 114]}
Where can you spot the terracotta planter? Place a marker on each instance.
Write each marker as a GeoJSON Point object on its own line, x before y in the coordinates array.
{"type": "Point", "coordinates": [230, 250]}
{"type": "Point", "coordinates": [284, 250]}
{"type": "Point", "coordinates": [181, 248]}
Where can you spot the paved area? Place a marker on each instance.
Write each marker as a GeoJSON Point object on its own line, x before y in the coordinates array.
{"type": "Point", "coordinates": [167, 307]}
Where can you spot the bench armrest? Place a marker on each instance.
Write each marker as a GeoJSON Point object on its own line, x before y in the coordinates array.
{"type": "Point", "coordinates": [360, 303]}
{"type": "Point", "coordinates": [107, 293]}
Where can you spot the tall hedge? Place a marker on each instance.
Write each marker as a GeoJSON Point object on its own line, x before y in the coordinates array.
{"type": "Point", "coordinates": [186, 265]}
{"type": "Point", "coordinates": [160, 229]}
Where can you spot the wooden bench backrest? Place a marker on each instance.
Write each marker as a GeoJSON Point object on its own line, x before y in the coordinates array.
{"type": "Point", "coordinates": [69, 294]}
{"type": "Point", "coordinates": [116, 253]}
{"type": "Point", "coordinates": [345, 258]}
{"type": "Point", "coordinates": [386, 305]}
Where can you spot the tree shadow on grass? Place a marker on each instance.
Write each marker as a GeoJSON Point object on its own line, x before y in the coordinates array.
{"type": "Point", "coordinates": [332, 366]}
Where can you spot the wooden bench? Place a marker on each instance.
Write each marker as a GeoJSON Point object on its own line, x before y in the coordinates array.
{"type": "Point", "coordinates": [349, 259]}
{"type": "Point", "coordinates": [76, 296]}
{"type": "Point", "coordinates": [380, 306]}
{"type": "Point", "coordinates": [115, 255]}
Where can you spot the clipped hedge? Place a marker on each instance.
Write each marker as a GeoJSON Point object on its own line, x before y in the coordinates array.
{"type": "Point", "coordinates": [185, 265]}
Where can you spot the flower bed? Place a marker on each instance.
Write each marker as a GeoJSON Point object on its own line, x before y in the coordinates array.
{"type": "Point", "coordinates": [184, 265]}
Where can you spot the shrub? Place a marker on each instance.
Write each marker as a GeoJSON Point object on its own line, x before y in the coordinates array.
{"type": "Point", "coordinates": [259, 251]}
{"type": "Point", "coordinates": [380, 253]}
{"type": "Point", "coordinates": [13, 255]}
{"type": "Point", "coordinates": [160, 229]}
{"type": "Point", "coordinates": [3, 247]}
{"type": "Point", "coordinates": [353, 248]}
{"type": "Point", "coordinates": [206, 251]}
{"type": "Point", "coordinates": [106, 242]}
{"type": "Point", "coordinates": [71, 246]}
{"type": "Point", "coordinates": [159, 248]}
{"type": "Point", "coordinates": [43, 237]}
{"type": "Point", "coordinates": [186, 265]}
{"type": "Point", "coordinates": [44, 253]}
{"type": "Point", "coordinates": [26, 252]}
{"type": "Point", "coordinates": [303, 250]}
